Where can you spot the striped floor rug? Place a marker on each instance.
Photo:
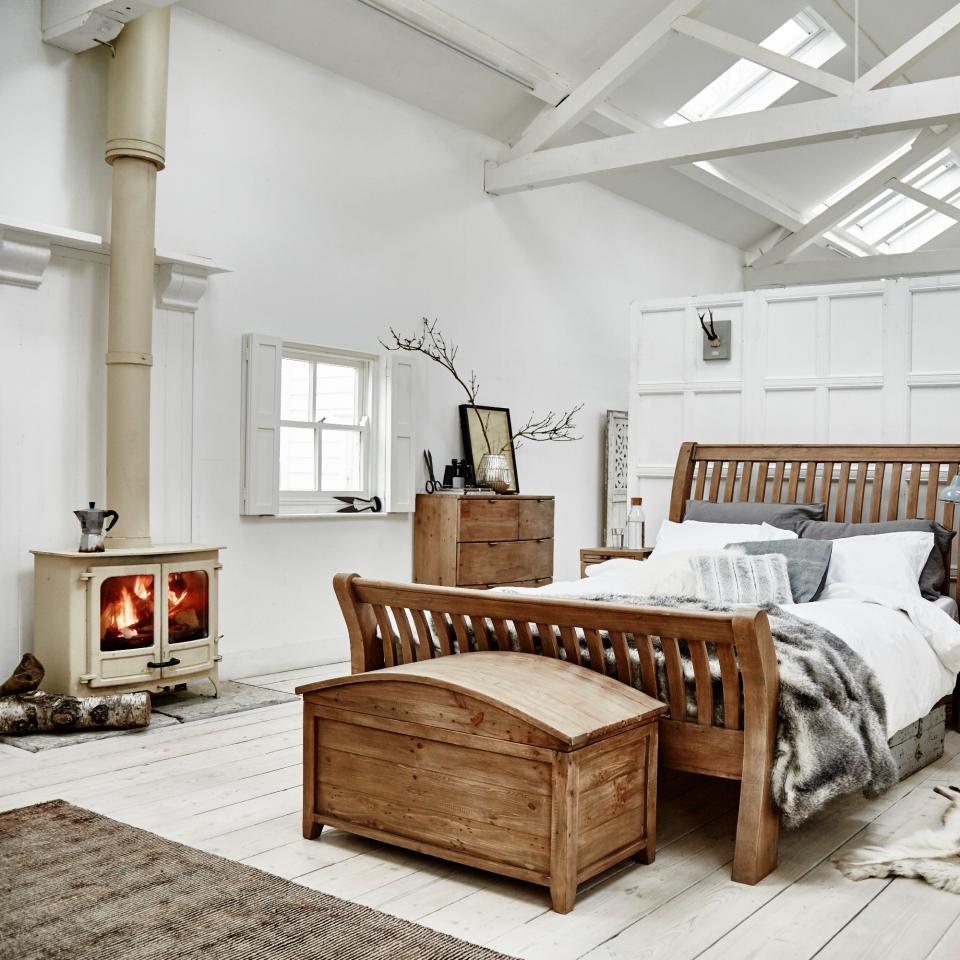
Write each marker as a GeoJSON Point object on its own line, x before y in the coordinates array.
{"type": "Point", "coordinates": [78, 886]}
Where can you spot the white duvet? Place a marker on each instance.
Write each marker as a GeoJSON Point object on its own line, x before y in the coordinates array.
{"type": "Point", "coordinates": [912, 645]}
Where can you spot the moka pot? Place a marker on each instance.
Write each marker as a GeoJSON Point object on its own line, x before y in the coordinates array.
{"type": "Point", "coordinates": [92, 529]}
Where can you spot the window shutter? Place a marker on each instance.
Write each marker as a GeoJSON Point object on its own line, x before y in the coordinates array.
{"type": "Point", "coordinates": [401, 371]}
{"type": "Point", "coordinates": [262, 358]}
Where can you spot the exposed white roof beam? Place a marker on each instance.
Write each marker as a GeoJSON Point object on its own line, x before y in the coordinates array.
{"type": "Point", "coordinates": [737, 47]}
{"type": "Point", "coordinates": [927, 263]}
{"type": "Point", "coordinates": [439, 25]}
{"type": "Point", "coordinates": [911, 51]}
{"type": "Point", "coordinates": [603, 81]}
{"type": "Point", "coordinates": [927, 145]}
{"type": "Point", "coordinates": [613, 121]}
{"type": "Point", "coordinates": [878, 111]}
{"type": "Point", "coordinates": [927, 199]}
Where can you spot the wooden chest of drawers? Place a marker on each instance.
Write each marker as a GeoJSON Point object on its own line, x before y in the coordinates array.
{"type": "Point", "coordinates": [483, 541]}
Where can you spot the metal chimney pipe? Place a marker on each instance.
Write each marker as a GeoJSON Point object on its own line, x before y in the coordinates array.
{"type": "Point", "coordinates": [136, 137]}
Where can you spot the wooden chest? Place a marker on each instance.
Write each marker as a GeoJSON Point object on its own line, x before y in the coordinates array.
{"type": "Point", "coordinates": [528, 767]}
{"type": "Point", "coordinates": [483, 541]}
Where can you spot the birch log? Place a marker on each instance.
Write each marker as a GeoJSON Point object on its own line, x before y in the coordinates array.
{"type": "Point", "coordinates": [48, 712]}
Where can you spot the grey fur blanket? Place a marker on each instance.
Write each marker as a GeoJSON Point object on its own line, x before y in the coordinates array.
{"type": "Point", "coordinates": [831, 738]}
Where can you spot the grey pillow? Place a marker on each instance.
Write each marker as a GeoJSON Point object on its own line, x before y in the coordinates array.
{"type": "Point", "coordinates": [786, 516]}
{"type": "Point", "coordinates": [934, 572]}
{"type": "Point", "coordinates": [739, 579]}
{"type": "Point", "coordinates": [807, 562]}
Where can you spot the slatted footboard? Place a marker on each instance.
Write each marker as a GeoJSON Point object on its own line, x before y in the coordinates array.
{"type": "Point", "coordinates": [734, 737]}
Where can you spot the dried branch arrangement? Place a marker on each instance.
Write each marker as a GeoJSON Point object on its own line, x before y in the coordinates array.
{"type": "Point", "coordinates": [431, 342]}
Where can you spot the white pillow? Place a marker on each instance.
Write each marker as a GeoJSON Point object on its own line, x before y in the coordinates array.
{"type": "Point", "coordinates": [889, 560]}
{"type": "Point", "coordinates": [697, 535]}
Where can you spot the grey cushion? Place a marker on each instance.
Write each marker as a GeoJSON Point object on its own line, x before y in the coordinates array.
{"type": "Point", "coordinates": [807, 562]}
{"type": "Point", "coordinates": [934, 572]}
{"type": "Point", "coordinates": [787, 516]}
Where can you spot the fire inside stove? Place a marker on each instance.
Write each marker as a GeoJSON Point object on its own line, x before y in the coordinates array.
{"type": "Point", "coordinates": [127, 609]}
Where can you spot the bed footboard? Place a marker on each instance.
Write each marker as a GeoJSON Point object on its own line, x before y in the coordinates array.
{"type": "Point", "coordinates": [392, 623]}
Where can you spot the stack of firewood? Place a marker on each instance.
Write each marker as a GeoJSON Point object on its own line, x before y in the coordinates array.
{"type": "Point", "coordinates": [25, 708]}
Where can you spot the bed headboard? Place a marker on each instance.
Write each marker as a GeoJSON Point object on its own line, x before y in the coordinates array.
{"type": "Point", "coordinates": [858, 483]}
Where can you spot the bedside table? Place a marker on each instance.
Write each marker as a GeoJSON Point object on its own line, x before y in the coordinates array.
{"type": "Point", "coordinates": [592, 555]}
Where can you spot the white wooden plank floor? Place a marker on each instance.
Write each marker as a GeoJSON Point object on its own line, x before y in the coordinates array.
{"type": "Point", "coordinates": [231, 786]}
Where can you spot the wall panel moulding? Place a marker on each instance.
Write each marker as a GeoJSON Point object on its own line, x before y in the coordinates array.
{"type": "Point", "coordinates": [26, 249]}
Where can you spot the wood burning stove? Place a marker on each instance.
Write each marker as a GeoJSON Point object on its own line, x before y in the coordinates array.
{"type": "Point", "coordinates": [129, 619]}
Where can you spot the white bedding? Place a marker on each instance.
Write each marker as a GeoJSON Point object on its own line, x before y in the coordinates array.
{"type": "Point", "coordinates": [912, 644]}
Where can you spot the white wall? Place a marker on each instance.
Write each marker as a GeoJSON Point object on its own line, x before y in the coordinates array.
{"type": "Point", "coordinates": [854, 363]}
{"type": "Point", "coordinates": [340, 212]}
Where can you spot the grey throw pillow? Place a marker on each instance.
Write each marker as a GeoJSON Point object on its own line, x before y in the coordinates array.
{"type": "Point", "coordinates": [786, 516]}
{"type": "Point", "coordinates": [807, 562]}
{"type": "Point", "coordinates": [934, 572]}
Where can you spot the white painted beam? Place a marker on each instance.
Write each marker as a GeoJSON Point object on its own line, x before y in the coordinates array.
{"type": "Point", "coordinates": [927, 199]}
{"type": "Point", "coordinates": [878, 111]}
{"type": "Point", "coordinates": [911, 51]}
{"type": "Point", "coordinates": [921, 264]}
{"type": "Point", "coordinates": [927, 144]}
{"type": "Point", "coordinates": [745, 49]}
{"type": "Point", "coordinates": [604, 80]}
{"type": "Point", "coordinates": [441, 26]}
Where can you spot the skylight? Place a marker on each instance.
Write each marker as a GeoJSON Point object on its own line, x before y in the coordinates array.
{"type": "Point", "coordinates": [893, 223]}
{"type": "Point", "coordinates": [747, 87]}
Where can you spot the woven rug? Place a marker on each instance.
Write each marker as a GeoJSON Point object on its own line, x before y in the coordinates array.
{"type": "Point", "coordinates": [78, 886]}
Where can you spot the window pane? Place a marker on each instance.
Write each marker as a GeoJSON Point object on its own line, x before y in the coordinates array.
{"type": "Point", "coordinates": [294, 390]}
{"type": "Point", "coordinates": [298, 469]}
{"type": "Point", "coordinates": [337, 393]}
{"type": "Point", "coordinates": [340, 460]}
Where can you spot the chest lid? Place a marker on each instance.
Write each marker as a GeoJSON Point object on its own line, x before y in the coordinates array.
{"type": "Point", "coordinates": [506, 696]}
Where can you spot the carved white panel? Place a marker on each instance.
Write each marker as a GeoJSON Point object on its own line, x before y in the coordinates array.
{"type": "Point", "coordinates": [790, 416]}
{"type": "Point", "coordinates": [655, 423]}
{"type": "Point", "coordinates": [660, 346]}
{"type": "Point", "coordinates": [856, 336]}
{"type": "Point", "coordinates": [715, 417]}
{"type": "Point", "coordinates": [931, 414]}
{"type": "Point", "coordinates": [791, 335]}
{"type": "Point", "coordinates": [854, 415]}
{"type": "Point", "coordinates": [935, 331]}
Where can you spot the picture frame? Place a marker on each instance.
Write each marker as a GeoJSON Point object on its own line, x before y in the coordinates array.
{"type": "Point", "coordinates": [500, 432]}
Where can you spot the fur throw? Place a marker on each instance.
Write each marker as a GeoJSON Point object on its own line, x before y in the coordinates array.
{"type": "Point", "coordinates": [931, 855]}
{"type": "Point", "coordinates": [831, 738]}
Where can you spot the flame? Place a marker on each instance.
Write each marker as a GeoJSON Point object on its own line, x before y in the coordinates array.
{"type": "Point", "coordinates": [128, 609]}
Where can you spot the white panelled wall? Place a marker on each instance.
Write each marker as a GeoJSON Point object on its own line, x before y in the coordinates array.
{"type": "Point", "coordinates": [858, 363]}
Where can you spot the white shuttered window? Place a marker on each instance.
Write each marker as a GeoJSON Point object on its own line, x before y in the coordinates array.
{"type": "Point", "coordinates": [329, 423]}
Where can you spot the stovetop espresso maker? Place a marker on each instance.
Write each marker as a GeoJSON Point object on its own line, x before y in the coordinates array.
{"type": "Point", "coordinates": [92, 529]}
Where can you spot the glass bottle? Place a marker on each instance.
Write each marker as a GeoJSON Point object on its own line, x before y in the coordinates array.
{"type": "Point", "coordinates": [636, 525]}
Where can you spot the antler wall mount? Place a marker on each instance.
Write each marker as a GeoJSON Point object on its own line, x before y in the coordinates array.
{"type": "Point", "coordinates": [716, 336]}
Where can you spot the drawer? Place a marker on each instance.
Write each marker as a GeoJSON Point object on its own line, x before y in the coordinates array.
{"type": "Point", "coordinates": [504, 561]}
{"type": "Point", "coordinates": [482, 519]}
{"type": "Point", "coordinates": [536, 519]}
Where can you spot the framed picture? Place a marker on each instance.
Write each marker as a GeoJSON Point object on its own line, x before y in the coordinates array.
{"type": "Point", "coordinates": [496, 421]}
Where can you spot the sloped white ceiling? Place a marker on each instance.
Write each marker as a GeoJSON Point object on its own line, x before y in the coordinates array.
{"type": "Point", "coordinates": [573, 38]}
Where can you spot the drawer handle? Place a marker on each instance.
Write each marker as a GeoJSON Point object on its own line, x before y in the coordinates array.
{"type": "Point", "coordinates": [491, 543]}
{"type": "Point", "coordinates": [172, 662]}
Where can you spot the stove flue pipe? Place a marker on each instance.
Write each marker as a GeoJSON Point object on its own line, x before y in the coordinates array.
{"type": "Point", "coordinates": [136, 137]}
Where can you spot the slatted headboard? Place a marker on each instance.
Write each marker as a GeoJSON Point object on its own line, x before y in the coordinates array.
{"type": "Point", "coordinates": [858, 483]}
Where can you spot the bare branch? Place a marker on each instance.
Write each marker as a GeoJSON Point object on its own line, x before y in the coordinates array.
{"type": "Point", "coordinates": [548, 428]}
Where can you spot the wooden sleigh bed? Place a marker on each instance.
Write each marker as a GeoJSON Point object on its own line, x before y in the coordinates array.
{"type": "Point", "coordinates": [392, 623]}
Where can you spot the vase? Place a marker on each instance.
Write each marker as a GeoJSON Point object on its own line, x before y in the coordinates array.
{"type": "Point", "coordinates": [493, 471]}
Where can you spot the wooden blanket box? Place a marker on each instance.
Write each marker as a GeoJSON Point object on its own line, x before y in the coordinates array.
{"type": "Point", "coordinates": [532, 768]}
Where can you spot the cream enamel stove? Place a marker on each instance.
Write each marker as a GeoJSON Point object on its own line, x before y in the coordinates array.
{"type": "Point", "coordinates": [143, 618]}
